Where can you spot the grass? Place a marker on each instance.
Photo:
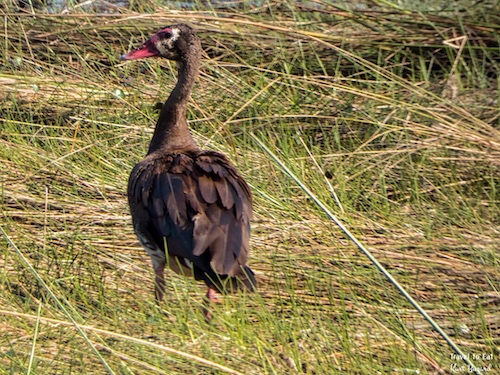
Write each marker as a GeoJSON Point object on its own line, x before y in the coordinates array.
{"type": "Point", "coordinates": [389, 116]}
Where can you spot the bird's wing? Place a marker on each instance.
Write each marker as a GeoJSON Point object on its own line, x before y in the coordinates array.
{"type": "Point", "coordinates": [224, 226]}
{"type": "Point", "coordinates": [201, 202]}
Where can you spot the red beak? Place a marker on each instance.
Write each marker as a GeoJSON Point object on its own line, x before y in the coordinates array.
{"type": "Point", "coordinates": [148, 49]}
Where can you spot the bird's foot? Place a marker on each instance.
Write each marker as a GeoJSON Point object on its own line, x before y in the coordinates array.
{"type": "Point", "coordinates": [209, 300]}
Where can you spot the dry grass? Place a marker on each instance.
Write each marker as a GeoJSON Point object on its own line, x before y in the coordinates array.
{"type": "Point", "coordinates": [373, 106]}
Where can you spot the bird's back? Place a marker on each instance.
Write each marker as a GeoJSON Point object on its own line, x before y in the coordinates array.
{"type": "Point", "coordinates": [195, 207]}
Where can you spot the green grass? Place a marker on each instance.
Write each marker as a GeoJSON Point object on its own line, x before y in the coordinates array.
{"type": "Point", "coordinates": [394, 130]}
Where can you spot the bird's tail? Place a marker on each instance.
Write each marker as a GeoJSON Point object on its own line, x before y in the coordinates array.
{"type": "Point", "coordinates": [247, 279]}
{"type": "Point", "coordinates": [243, 279]}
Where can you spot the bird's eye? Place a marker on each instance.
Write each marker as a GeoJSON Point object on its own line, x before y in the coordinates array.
{"type": "Point", "coordinates": [164, 35]}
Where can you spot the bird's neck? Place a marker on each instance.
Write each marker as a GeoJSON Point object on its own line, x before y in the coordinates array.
{"type": "Point", "coordinates": [172, 133]}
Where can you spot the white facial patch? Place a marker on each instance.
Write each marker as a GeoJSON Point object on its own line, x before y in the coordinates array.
{"type": "Point", "coordinates": [166, 46]}
{"type": "Point", "coordinates": [175, 34]}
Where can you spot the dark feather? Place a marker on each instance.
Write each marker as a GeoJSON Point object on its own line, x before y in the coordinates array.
{"type": "Point", "coordinates": [207, 189]}
{"type": "Point", "coordinates": [205, 231]}
{"type": "Point", "coordinates": [226, 193]}
{"type": "Point", "coordinates": [173, 197]}
{"type": "Point", "coordinates": [156, 202]}
{"type": "Point", "coordinates": [225, 249]}
{"type": "Point", "coordinates": [146, 189]}
{"type": "Point", "coordinates": [219, 169]}
{"type": "Point", "coordinates": [241, 208]}
{"type": "Point", "coordinates": [193, 196]}
{"type": "Point", "coordinates": [204, 164]}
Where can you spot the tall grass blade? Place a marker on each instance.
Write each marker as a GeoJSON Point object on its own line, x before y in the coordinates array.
{"type": "Point", "coordinates": [369, 255]}
{"type": "Point", "coordinates": [56, 300]}
{"type": "Point", "coordinates": [35, 335]}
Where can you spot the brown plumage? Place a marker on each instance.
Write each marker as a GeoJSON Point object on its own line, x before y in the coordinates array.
{"type": "Point", "coordinates": [191, 209]}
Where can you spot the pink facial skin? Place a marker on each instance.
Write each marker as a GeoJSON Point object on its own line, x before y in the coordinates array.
{"type": "Point", "coordinates": [148, 49]}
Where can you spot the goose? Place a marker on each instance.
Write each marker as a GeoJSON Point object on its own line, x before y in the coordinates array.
{"type": "Point", "coordinates": [191, 208]}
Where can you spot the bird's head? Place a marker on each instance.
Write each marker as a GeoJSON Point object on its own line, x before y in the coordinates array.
{"type": "Point", "coordinates": [171, 42]}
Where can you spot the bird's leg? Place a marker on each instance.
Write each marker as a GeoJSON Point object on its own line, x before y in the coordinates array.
{"type": "Point", "coordinates": [210, 298]}
{"type": "Point", "coordinates": [159, 280]}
